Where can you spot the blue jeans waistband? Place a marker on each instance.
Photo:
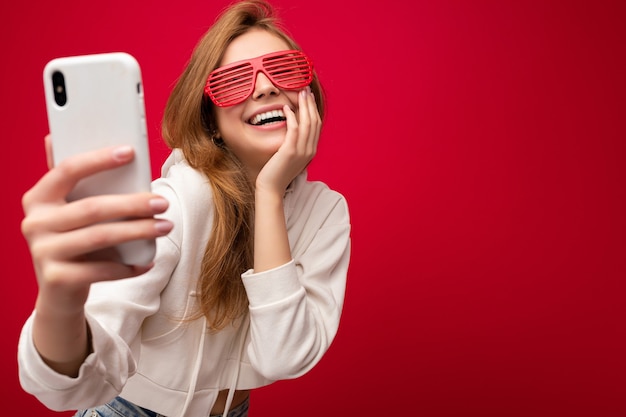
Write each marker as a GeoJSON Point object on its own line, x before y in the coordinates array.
{"type": "Point", "coordinates": [120, 407]}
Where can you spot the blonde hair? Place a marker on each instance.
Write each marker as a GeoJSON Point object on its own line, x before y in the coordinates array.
{"type": "Point", "coordinates": [189, 124]}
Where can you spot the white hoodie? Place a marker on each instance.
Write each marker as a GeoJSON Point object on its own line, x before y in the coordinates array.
{"type": "Point", "coordinates": [143, 352]}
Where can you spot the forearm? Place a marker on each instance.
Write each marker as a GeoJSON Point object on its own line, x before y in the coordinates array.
{"type": "Point", "coordinates": [61, 339]}
{"type": "Point", "coordinates": [271, 242]}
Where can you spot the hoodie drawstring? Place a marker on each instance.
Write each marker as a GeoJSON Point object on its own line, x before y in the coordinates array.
{"type": "Point", "coordinates": [196, 368]}
{"type": "Point", "coordinates": [198, 364]}
{"type": "Point", "coordinates": [233, 383]}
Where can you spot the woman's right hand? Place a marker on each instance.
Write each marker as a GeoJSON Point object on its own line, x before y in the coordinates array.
{"type": "Point", "coordinates": [62, 235]}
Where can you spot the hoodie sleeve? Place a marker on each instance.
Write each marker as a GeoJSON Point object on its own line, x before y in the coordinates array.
{"type": "Point", "coordinates": [295, 308]}
{"type": "Point", "coordinates": [114, 313]}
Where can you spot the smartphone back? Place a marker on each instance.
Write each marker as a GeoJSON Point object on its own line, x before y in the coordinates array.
{"type": "Point", "coordinates": [96, 101]}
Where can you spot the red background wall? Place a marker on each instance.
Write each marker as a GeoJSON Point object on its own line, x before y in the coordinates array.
{"type": "Point", "coordinates": [481, 146]}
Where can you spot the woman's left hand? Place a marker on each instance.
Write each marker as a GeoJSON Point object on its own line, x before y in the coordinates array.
{"type": "Point", "coordinates": [299, 147]}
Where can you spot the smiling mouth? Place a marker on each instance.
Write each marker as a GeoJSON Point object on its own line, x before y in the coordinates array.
{"type": "Point", "coordinates": [262, 119]}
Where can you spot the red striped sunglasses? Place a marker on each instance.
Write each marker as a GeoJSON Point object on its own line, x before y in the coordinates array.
{"type": "Point", "coordinates": [234, 83]}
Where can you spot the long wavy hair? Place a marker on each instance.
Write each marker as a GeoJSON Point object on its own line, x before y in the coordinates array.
{"type": "Point", "coordinates": [189, 124]}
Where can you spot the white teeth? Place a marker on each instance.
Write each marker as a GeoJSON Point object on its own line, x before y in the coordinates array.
{"type": "Point", "coordinates": [267, 115]}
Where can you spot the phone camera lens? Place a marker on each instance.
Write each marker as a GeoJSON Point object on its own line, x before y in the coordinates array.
{"type": "Point", "coordinates": [58, 86]}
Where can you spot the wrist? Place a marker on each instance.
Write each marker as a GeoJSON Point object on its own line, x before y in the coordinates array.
{"type": "Point", "coordinates": [56, 303]}
{"type": "Point", "coordinates": [266, 193]}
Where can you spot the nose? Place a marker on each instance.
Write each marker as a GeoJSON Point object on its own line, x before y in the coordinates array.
{"type": "Point", "coordinates": [263, 87]}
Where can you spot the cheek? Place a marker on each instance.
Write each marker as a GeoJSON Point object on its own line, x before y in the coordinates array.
{"type": "Point", "coordinates": [292, 96]}
{"type": "Point", "coordinates": [226, 117]}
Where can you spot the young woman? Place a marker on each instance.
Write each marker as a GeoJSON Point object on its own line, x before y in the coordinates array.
{"type": "Point", "coordinates": [248, 282]}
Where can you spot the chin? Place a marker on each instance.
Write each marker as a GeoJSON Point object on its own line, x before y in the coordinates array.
{"type": "Point", "coordinates": [274, 142]}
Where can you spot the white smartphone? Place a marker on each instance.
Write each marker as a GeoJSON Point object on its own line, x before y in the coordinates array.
{"type": "Point", "coordinates": [95, 101]}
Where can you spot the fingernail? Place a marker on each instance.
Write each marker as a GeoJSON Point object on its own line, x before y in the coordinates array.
{"type": "Point", "coordinates": [122, 153]}
{"type": "Point", "coordinates": [158, 205]}
{"type": "Point", "coordinates": [163, 226]}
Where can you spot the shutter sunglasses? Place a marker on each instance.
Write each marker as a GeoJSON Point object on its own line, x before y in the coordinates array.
{"type": "Point", "coordinates": [234, 83]}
